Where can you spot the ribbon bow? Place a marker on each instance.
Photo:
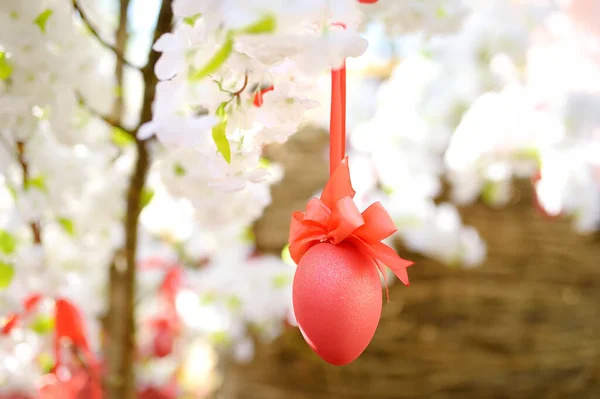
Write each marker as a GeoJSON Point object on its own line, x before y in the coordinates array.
{"type": "Point", "coordinates": [335, 218]}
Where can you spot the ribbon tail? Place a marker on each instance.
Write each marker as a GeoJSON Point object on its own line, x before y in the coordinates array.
{"type": "Point", "coordinates": [390, 258]}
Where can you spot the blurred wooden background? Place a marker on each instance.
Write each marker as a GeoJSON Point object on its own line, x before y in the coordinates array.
{"type": "Point", "coordinates": [526, 324]}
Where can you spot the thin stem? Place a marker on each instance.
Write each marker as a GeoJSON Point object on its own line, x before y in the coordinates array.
{"type": "Point", "coordinates": [240, 91]}
{"type": "Point", "coordinates": [36, 229]}
{"type": "Point", "coordinates": [118, 52]}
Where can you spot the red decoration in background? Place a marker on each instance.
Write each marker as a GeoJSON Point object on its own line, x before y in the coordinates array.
{"type": "Point", "coordinates": [68, 324]}
{"type": "Point", "coordinates": [368, 1]}
{"type": "Point", "coordinates": [29, 305]}
{"type": "Point", "coordinates": [258, 97]}
{"type": "Point", "coordinates": [166, 327]}
{"type": "Point", "coordinates": [336, 289]}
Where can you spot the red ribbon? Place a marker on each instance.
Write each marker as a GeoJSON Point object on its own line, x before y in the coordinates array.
{"type": "Point", "coordinates": [337, 120]}
{"type": "Point", "coordinates": [335, 218]}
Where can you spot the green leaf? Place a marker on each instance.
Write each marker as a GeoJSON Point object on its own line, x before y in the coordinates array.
{"type": "Point", "coordinates": [67, 225]}
{"type": "Point", "coordinates": [281, 280]}
{"type": "Point", "coordinates": [8, 243]}
{"type": "Point", "coordinates": [248, 235]}
{"type": "Point", "coordinates": [146, 197]}
{"type": "Point", "coordinates": [264, 162]}
{"type": "Point", "coordinates": [386, 189]}
{"type": "Point", "coordinates": [234, 303]}
{"type": "Point", "coordinates": [43, 324]}
{"type": "Point", "coordinates": [528, 154]}
{"type": "Point", "coordinates": [208, 298]}
{"type": "Point", "coordinates": [216, 61]}
{"type": "Point", "coordinates": [219, 134]}
{"type": "Point", "coordinates": [219, 338]}
{"type": "Point", "coordinates": [46, 362]}
{"type": "Point", "coordinates": [178, 169]}
{"type": "Point", "coordinates": [6, 67]}
{"type": "Point", "coordinates": [266, 24]}
{"type": "Point", "coordinates": [191, 21]}
{"type": "Point", "coordinates": [42, 19]}
{"type": "Point", "coordinates": [489, 193]}
{"type": "Point", "coordinates": [37, 182]}
{"type": "Point", "coordinates": [121, 138]}
{"type": "Point", "coordinates": [7, 271]}
{"type": "Point", "coordinates": [14, 15]}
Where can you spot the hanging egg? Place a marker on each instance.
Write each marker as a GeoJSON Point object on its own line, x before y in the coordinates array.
{"type": "Point", "coordinates": [337, 300]}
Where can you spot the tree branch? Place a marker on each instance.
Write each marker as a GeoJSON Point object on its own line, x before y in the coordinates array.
{"type": "Point", "coordinates": [121, 346]}
{"type": "Point", "coordinates": [118, 52]}
{"type": "Point", "coordinates": [36, 229]}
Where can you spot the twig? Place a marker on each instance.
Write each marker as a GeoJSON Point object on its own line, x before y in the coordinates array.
{"type": "Point", "coordinates": [240, 91]}
{"type": "Point", "coordinates": [233, 93]}
{"type": "Point", "coordinates": [108, 120]}
{"type": "Point", "coordinates": [35, 226]}
{"type": "Point", "coordinates": [119, 54]}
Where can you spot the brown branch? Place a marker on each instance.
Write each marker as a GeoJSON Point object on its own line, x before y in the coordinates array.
{"type": "Point", "coordinates": [121, 348]}
{"type": "Point", "coordinates": [122, 37]}
{"type": "Point", "coordinates": [35, 226]}
{"type": "Point", "coordinates": [119, 53]}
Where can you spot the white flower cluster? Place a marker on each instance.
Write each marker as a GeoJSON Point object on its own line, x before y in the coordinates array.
{"type": "Point", "coordinates": [430, 17]}
{"type": "Point", "coordinates": [543, 116]}
{"type": "Point", "coordinates": [57, 162]}
{"type": "Point", "coordinates": [236, 75]}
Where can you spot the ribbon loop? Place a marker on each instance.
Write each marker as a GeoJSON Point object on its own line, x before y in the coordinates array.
{"type": "Point", "coordinates": [316, 214]}
{"type": "Point", "coordinates": [378, 224]}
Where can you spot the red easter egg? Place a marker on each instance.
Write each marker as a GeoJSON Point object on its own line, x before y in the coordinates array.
{"type": "Point", "coordinates": [337, 301]}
